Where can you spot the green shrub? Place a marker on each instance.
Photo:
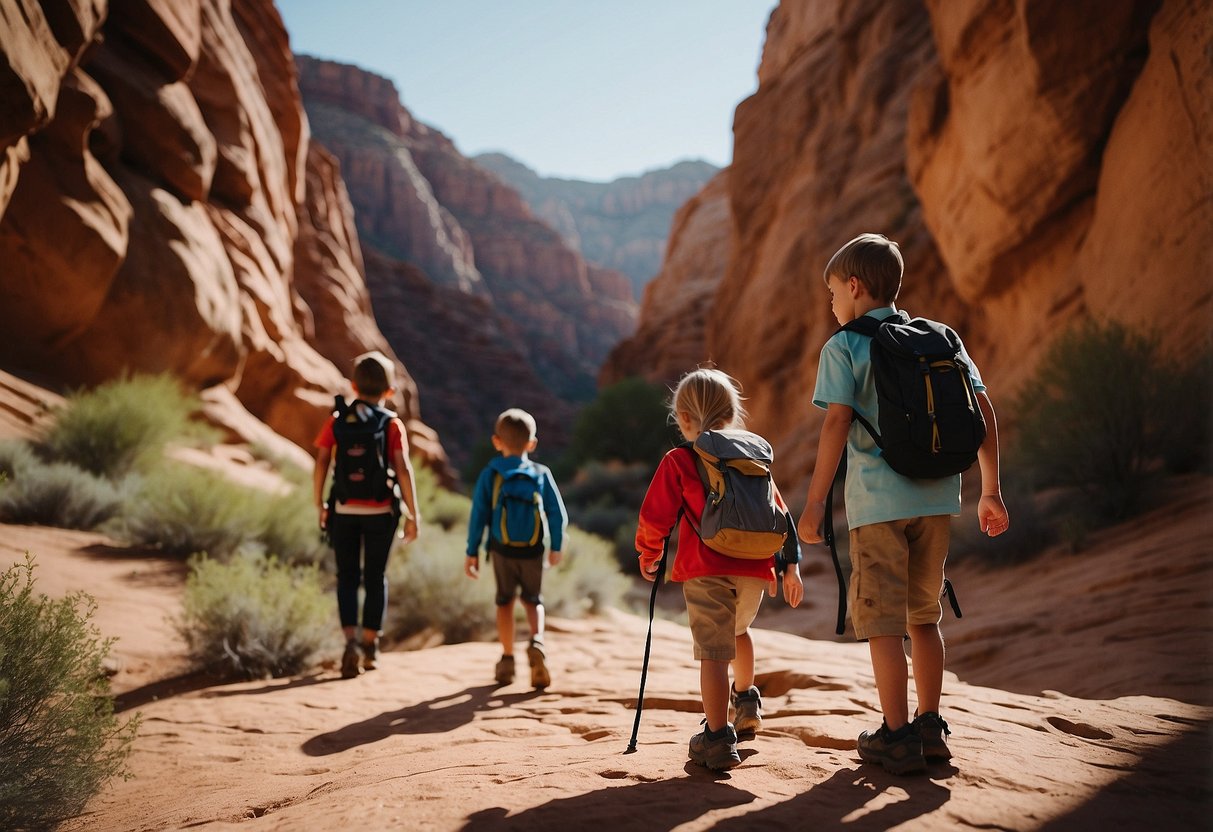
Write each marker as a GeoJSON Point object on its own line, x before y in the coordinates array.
{"type": "Point", "coordinates": [439, 505]}
{"type": "Point", "coordinates": [16, 455]}
{"type": "Point", "coordinates": [58, 494]}
{"type": "Point", "coordinates": [628, 421]}
{"type": "Point", "coordinates": [428, 590]}
{"type": "Point", "coordinates": [1095, 417]}
{"type": "Point", "coordinates": [122, 426]}
{"type": "Point", "coordinates": [587, 580]}
{"type": "Point", "coordinates": [255, 617]}
{"type": "Point", "coordinates": [59, 738]}
{"type": "Point", "coordinates": [288, 526]}
{"type": "Point", "coordinates": [184, 510]}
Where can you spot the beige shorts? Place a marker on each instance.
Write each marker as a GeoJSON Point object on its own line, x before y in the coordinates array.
{"type": "Point", "coordinates": [720, 608]}
{"type": "Point", "coordinates": [897, 574]}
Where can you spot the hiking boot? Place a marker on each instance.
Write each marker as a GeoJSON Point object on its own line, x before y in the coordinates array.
{"type": "Point", "coordinates": [504, 672]}
{"type": "Point", "coordinates": [349, 660]}
{"type": "Point", "coordinates": [540, 678]}
{"type": "Point", "coordinates": [747, 712]}
{"type": "Point", "coordinates": [716, 750]}
{"type": "Point", "coordinates": [370, 650]}
{"type": "Point", "coordinates": [932, 730]}
{"type": "Point", "coordinates": [900, 752]}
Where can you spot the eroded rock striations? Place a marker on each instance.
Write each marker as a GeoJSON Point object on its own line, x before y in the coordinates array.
{"type": "Point", "coordinates": [461, 272]}
{"type": "Point", "coordinates": [163, 209]}
{"type": "Point", "coordinates": [1040, 164]}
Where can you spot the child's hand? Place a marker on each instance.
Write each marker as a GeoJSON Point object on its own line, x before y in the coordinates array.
{"type": "Point", "coordinates": [408, 532]}
{"type": "Point", "coordinates": [554, 558]}
{"type": "Point", "coordinates": [992, 515]}
{"type": "Point", "coordinates": [809, 527]}
{"type": "Point", "coordinates": [793, 586]}
{"type": "Point", "coordinates": [471, 566]}
{"type": "Point", "coordinates": [323, 511]}
{"type": "Point", "coordinates": [646, 574]}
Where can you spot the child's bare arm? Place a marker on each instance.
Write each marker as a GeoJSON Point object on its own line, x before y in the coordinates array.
{"type": "Point", "coordinates": [992, 514]}
{"type": "Point", "coordinates": [320, 473]}
{"type": "Point", "coordinates": [408, 491]}
{"type": "Point", "coordinates": [830, 446]}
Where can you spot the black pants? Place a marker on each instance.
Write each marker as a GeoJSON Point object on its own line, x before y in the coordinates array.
{"type": "Point", "coordinates": [361, 543]}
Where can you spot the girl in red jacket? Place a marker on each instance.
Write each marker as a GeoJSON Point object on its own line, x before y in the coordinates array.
{"type": "Point", "coordinates": [722, 593]}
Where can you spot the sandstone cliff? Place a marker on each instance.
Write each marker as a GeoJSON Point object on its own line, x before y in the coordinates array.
{"type": "Point", "coordinates": [1039, 164]}
{"type": "Point", "coordinates": [163, 209]}
{"type": "Point", "coordinates": [462, 272]}
{"type": "Point", "coordinates": [622, 225]}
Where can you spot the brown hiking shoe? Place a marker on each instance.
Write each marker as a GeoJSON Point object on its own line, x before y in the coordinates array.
{"type": "Point", "coordinates": [349, 660]}
{"type": "Point", "coordinates": [747, 712]}
{"type": "Point", "coordinates": [715, 750]}
{"type": "Point", "coordinates": [933, 730]}
{"type": "Point", "coordinates": [540, 678]}
{"type": "Point", "coordinates": [899, 752]}
{"type": "Point", "coordinates": [504, 671]}
{"type": "Point", "coordinates": [370, 650]}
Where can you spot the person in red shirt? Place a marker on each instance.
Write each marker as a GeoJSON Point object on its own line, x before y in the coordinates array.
{"type": "Point", "coordinates": [722, 593]}
{"type": "Point", "coordinates": [360, 527]}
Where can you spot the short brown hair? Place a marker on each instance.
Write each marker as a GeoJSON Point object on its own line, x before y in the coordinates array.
{"type": "Point", "coordinates": [374, 374]}
{"type": "Point", "coordinates": [875, 260]}
{"type": "Point", "coordinates": [515, 428]}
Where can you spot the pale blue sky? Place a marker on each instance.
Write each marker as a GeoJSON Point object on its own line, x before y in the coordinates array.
{"type": "Point", "coordinates": [572, 88]}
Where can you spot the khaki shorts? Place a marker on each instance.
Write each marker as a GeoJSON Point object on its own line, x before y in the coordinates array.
{"type": "Point", "coordinates": [720, 608]}
{"type": "Point", "coordinates": [518, 576]}
{"type": "Point", "coordinates": [897, 574]}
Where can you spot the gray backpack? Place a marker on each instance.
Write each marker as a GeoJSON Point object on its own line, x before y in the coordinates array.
{"type": "Point", "coordinates": [740, 518]}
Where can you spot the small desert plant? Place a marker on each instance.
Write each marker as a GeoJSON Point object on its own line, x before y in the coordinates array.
{"type": "Point", "coordinates": [288, 526]}
{"type": "Point", "coordinates": [439, 505]}
{"type": "Point", "coordinates": [428, 589]}
{"type": "Point", "coordinates": [1095, 418]}
{"type": "Point", "coordinates": [121, 426]}
{"type": "Point", "coordinates": [57, 494]}
{"type": "Point", "coordinates": [254, 617]}
{"type": "Point", "coordinates": [59, 738]}
{"type": "Point", "coordinates": [16, 455]}
{"type": "Point", "coordinates": [184, 510]}
{"type": "Point", "coordinates": [587, 580]}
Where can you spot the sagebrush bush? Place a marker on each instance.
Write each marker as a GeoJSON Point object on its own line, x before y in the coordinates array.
{"type": "Point", "coordinates": [184, 510]}
{"type": "Point", "coordinates": [59, 738]}
{"type": "Point", "coordinates": [58, 494]}
{"type": "Point", "coordinates": [287, 525]}
{"type": "Point", "coordinates": [16, 455]}
{"type": "Point", "coordinates": [588, 580]}
{"type": "Point", "coordinates": [255, 616]}
{"type": "Point", "coordinates": [1095, 418]}
{"type": "Point", "coordinates": [123, 425]}
{"type": "Point", "coordinates": [438, 505]}
{"type": "Point", "coordinates": [428, 590]}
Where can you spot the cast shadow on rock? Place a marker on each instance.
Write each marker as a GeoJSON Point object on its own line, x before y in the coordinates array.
{"type": "Point", "coordinates": [660, 804]}
{"type": "Point", "coordinates": [434, 716]}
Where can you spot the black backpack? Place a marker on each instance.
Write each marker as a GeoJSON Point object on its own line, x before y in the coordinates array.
{"type": "Point", "coordinates": [362, 469]}
{"type": "Point", "coordinates": [930, 424]}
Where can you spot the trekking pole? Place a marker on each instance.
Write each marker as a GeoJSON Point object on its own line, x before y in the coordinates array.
{"type": "Point", "coordinates": [648, 639]}
{"type": "Point", "coordinates": [841, 625]}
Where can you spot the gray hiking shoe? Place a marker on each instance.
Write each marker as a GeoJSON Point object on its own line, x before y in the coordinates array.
{"type": "Point", "coordinates": [349, 660]}
{"type": "Point", "coordinates": [504, 671]}
{"type": "Point", "coordinates": [747, 712]}
{"type": "Point", "coordinates": [715, 750]}
{"type": "Point", "coordinates": [897, 754]}
{"type": "Point", "coordinates": [933, 731]}
{"type": "Point", "coordinates": [540, 678]}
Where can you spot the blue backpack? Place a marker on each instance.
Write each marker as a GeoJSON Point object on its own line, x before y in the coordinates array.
{"type": "Point", "coordinates": [518, 520]}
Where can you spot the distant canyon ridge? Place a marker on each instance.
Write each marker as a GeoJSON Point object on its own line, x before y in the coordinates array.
{"type": "Point", "coordinates": [181, 193]}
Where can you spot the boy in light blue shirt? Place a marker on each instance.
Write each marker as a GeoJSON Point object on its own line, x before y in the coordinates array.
{"type": "Point", "coordinates": [899, 527]}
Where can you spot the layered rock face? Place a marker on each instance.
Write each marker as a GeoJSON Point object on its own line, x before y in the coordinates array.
{"type": "Point", "coordinates": [500, 310]}
{"type": "Point", "coordinates": [621, 225]}
{"type": "Point", "coordinates": [1039, 165]}
{"type": "Point", "coordinates": [164, 210]}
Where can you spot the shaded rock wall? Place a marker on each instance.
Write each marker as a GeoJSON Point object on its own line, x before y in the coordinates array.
{"type": "Point", "coordinates": [463, 278]}
{"type": "Point", "coordinates": [1039, 164]}
{"type": "Point", "coordinates": [162, 209]}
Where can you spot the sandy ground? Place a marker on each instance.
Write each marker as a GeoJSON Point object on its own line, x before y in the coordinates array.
{"type": "Point", "coordinates": [429, 742]}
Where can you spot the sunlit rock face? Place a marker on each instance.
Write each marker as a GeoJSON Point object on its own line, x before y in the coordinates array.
{"type": "Point", "coordinates": [506, 313]}
{"type": "Point", "coordinates": [162, 208]}
{"type": "Point", "coordinates": [1039, 163]}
